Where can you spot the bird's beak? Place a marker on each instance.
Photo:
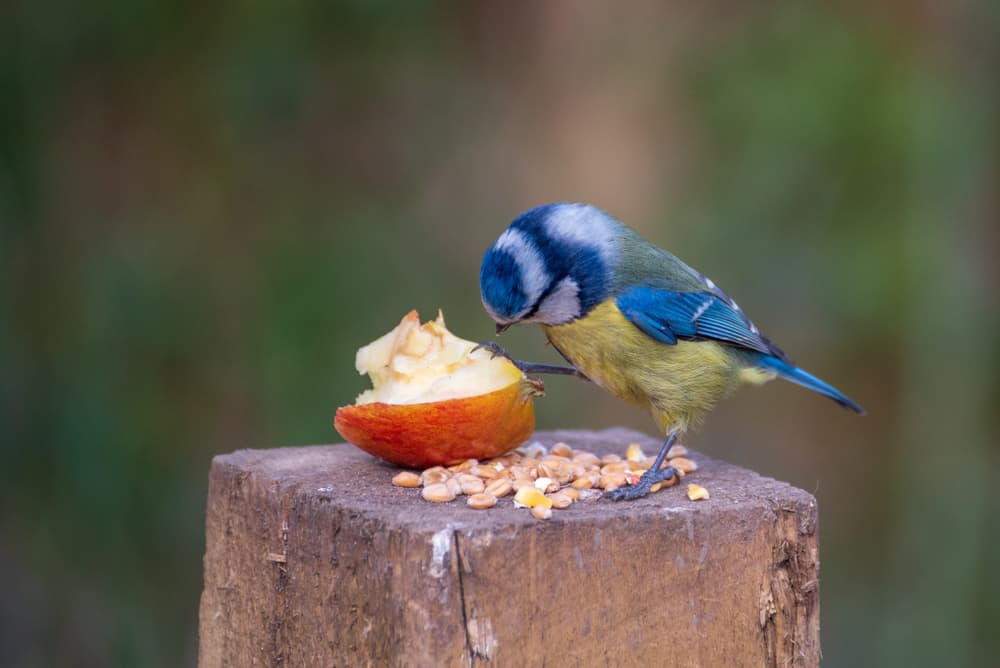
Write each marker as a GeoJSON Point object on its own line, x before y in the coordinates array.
{"type": "Point", "coordinates": [503, 328]}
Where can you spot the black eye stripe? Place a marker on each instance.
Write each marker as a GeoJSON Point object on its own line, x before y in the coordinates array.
{"type": "Point", "coordinates": [565, 257]}
{"type": "Point", "coordinates": [545, 294]}
{"type": "Point", "coordinates": [584, 265]}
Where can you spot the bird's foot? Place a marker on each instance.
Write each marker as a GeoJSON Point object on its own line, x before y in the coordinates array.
{"type": "Point", "coordinates": [495, 350]}
{"type": "Point", "coordinates": [529, 367]}
{"type": "Point", "coordinates": [643, 486]}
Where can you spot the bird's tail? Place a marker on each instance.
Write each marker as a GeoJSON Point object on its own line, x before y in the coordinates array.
{"type": "Point", "coordinates": [789, 371]}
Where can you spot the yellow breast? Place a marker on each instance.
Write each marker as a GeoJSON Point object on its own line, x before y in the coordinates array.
{"type": "Point", "coordinates": [678, 383]}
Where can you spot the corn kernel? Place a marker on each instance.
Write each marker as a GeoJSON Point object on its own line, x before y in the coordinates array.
{"type": "Point", "coordinates": [529, 497]}
{"type": "Point", "coordinates": [697, 492]}
{"type": "Point", "coordinates": [634, 453]}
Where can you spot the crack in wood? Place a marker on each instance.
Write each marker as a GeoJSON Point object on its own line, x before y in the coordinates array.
{"type": "Point", "coordinates": [459, 566]}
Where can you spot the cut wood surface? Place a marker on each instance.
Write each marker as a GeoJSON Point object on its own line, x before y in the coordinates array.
{"type": "Point", "coordinates": [314, 559]}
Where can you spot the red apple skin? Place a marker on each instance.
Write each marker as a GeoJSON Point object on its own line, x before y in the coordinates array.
{"type": "Point", "coordinates": [442, 432]}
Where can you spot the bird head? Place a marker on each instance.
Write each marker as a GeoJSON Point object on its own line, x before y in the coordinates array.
{"type": "Point", "coordinates": [552, 265]}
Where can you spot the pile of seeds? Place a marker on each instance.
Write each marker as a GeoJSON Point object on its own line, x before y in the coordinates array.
{"type": "Point", "coordinates": [541, 479]}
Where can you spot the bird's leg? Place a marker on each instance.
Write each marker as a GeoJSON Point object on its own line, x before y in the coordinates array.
{"type": "Point", "coordinates": [530, 367]}
{"type": "Point", "coordinates": [652, 476]}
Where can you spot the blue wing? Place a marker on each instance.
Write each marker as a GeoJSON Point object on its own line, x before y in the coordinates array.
{"type": "Point", "coordinates": [667, 315]}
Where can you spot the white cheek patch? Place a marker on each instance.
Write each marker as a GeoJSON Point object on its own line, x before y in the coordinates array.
{"type": "Point", "coordinates": [561, 305]}
{"type": "Point", "coordinates": [534, 277]}
{"type": "Point", "coordinates": [582, 225]}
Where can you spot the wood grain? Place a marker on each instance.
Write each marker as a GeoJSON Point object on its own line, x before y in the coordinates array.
{"type": "Point", "coordinates": [314, 559]}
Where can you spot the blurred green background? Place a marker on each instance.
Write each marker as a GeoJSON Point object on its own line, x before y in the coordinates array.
{"type": "Point", "coordinates": [206, 209]}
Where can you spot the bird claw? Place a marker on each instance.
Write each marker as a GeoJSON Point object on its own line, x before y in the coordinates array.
{"type": "Point", "coordinates": [528, 367]}
{"type": "Point", "coordinates": [495, 350]}
{"type": "Point", "coordinates": [643, 486]}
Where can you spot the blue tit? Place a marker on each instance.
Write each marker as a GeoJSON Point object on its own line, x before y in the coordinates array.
{"type": "Point", "coordinates": [630, 317]}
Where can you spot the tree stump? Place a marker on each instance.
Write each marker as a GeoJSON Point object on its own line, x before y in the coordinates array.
{"type": "Point", "coordinates": [314, 559]}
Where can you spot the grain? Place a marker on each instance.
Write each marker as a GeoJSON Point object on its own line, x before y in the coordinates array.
{"type": "Point", "coordinates": [614, 467]}
{"type": "Point", "coordinates": [461, 467]}
{"type": "Point", "coordinates": [612, 481]}
{"type": "Point", "coordinates": [499, 487]}
{"type": "Point", "coordinates": [560, 500]}
{"type": "Point", "coordinates": [481, 501]}
{"type": "Point", "coordinates": [561, 449]}
{"type": "Point", "coordinates": [535, 451]}
{"type": "Point", "coordinates": [437, 493]}
{"type": "Point", "coordinates": [546, 479]}
{"type": "Point", "coordinates": [546, 485]}
{"type": "Point", "coordinates": [586, 459]}
{"type": "Point", "coordinates": [565, 472]}
{"type": "Point", "coordinates": [541, 512]}
{"type": "Point", "coordinates": [434, 475]}
{"type": "Point", "coordinates": [473, 486]}
{"type": "Point", "coordinates": [522, 483]}
{"type": "Point", "coordinates": [697, 492]}
{"type": "Point", "coordinates": [484, 471]}
{"type": "Point", "coordinates": [529, 497]}
{"type": "Point", "coordinates": [634, 453]}
{"type": "Point", "coordinates": [677, 451]}
{"type": "Point", "coordinates": [519, 471]}
{"type": "Point", "coordinates": [684, 464]}
{"type": "Point", "coordinates": [406, 479]}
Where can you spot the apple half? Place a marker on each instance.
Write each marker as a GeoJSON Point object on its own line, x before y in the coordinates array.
{"type": "Point", "coordinates": [434, 400]}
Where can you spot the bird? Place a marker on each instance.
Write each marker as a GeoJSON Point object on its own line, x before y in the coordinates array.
{"type": "Point", "coordinates": [630, 317]}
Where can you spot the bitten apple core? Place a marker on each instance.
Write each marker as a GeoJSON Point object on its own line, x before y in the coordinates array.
{"type": "Point", "coordinates": [435, 400]}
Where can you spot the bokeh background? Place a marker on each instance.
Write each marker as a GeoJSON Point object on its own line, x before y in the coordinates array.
{"type": "Point", "coordinates": [205, 209]}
